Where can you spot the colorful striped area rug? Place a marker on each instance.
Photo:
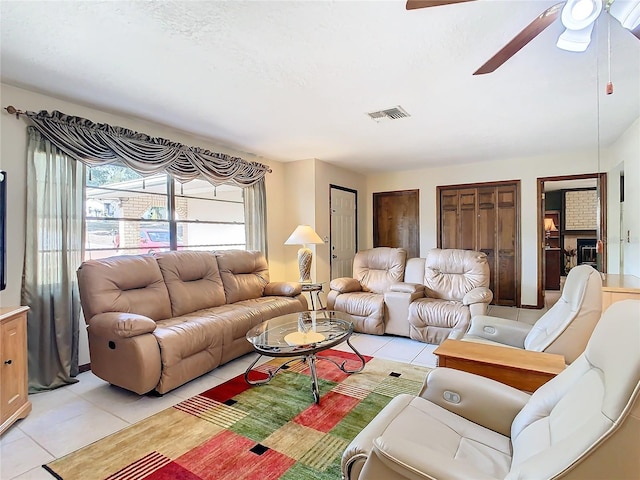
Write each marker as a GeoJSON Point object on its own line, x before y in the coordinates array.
{"type": "Point", "coordinates": [235, 431]}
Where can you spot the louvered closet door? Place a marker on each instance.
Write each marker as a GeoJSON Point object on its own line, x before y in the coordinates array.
{"type": "Point", "coordinates": [484, 217]}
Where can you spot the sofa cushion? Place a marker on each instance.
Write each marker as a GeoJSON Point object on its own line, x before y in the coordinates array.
{"type": "Point", "coordinates": [244, 274]}
{"type": "Point", "coordinates": [376, 269]}
{"type": "Point", "coordinates": [193, 280]}
{"type": "Point", "coordinates": [450, 273]}
{"type": "Point", "coordinates": [125, 283]}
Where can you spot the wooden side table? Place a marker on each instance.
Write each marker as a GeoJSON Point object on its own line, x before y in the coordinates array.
{"type": "Point", "coordinates": [14, 402]}
{"type": "Point", "coordinates": [619, 287]}
{"type": "Point", "coordinates": [314, 289]}
{"type": "Point", "coordinates": [521, 369]}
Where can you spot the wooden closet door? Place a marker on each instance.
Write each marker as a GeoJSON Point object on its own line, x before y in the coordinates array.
{"type": "Point", "coordinates": [487, 227]}
{"type": "Point", "coordinates": [396, 221]}
{"type": "Point", "coordinates": [506, 280]}
{"type": "Point", "coordinates": [484, 217]}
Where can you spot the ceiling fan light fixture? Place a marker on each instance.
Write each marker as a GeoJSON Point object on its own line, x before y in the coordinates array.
{"type": "Point", "coordinates": [575, 40]}
{"type": "Point", "coordinates": [578, 14]}
{"type": "Point", "coordinates": [627, 12]}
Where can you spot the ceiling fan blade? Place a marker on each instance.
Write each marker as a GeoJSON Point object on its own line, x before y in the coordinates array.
{"type": "Point", "coordinates": [414, 4]}
{"type": "Point", "coordinates": [530, 32]}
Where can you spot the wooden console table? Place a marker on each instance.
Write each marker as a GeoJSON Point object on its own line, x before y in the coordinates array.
{"type": "Point", "coordinates": [14, 403]}
{"type": "Point", "coordinates": [619, 287]}
{"type": "Point", "coordinates": [521, 369]}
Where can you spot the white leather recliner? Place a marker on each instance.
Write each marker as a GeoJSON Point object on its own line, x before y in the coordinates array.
{"type": "Point", "coordinates": [582, 424]}
{"type": "Point", "coordinates": [565, 329]}
{"type": "Point", "coordinates": [440, 294]}
{"type": "Point", "coordinates": [362, 296]}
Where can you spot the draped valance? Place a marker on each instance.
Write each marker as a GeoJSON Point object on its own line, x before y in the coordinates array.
{"type": "Point", "coordinates": [99, 143]}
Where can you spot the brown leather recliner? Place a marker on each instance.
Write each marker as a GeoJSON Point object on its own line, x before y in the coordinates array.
{"type": "Point", "coordinates": [439, 295]}
{"type": "Point", "coordinates": [362, 296]}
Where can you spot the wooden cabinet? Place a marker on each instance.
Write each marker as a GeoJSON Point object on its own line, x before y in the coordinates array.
{"type": "Point", "coordinates": [485, 217]}
{"type": "Point", "coordinates": [13, 364]}
{"type": "Point", "coordinates": [619, 287]}
{"type": "Point", "coordinates": [552, 258]}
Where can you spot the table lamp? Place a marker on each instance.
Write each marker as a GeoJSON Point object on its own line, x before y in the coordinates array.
{"type": "Point", "coordinates": [549, 226]}
{"type": "Point", "coordinates": [304, 235]}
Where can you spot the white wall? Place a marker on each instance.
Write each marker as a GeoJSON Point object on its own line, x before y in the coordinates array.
{"type": "Point", "coordinates": [527, 170]}
{"type": "Point", "coordinates": [13, 160]}
{"type": "Point", "coordinates": [308, 184]}
{"type": "Point", "coordinates": [625, 156]}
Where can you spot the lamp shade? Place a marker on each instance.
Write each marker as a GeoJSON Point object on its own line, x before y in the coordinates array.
{"type": "Point", "coordinates": [549, 225]}
{"type": "Point", "coordinates": [302, 235]}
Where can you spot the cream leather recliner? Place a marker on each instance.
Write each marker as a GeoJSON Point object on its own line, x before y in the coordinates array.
{"type": "Point", "coordinates": [565, 329]}
{"type": "Point", "coordinates": [362, 296]}
{"type": "Point", "coordinates": [439, 295]}
{"type": "Point", "coordinates": [582, 424]}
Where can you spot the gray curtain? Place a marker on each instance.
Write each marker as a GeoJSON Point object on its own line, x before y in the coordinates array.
{"type": "Point", "coordinates": [100, 144]}
{"type": "Point", "coordinates": [255, 216]}
{"type": "Point", "coordinates": [53, 252]}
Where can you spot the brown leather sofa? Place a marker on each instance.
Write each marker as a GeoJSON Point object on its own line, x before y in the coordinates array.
{"type": "Point", "coordinates": [157, 321]}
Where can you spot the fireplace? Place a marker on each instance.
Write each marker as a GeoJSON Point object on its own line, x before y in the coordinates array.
{"type": "Point", "coordinates": [586, 248]}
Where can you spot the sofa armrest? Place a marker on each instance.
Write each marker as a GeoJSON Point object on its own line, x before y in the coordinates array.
{"type": "Point", "coordinates": [121, 325]}
{"type": "Point", "coordinates": [345, 285]}
{"type": "Point", "coordinates": [405, 287]}
{"type": "Point", "coordinates": [501, 330]}
{"type": "Point", "coordinates": [397, 304]}
{"type": "Point", "coordinates": [480, 400]}
{"type": "Point", "coordinates": [283, 289]}
{"type": "Point", "coordinates": [478, 295]}
{"type": "Point", "coordinates": [411, 461]}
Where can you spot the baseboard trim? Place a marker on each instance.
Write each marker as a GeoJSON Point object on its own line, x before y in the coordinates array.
{"type": "Point", "coordinates": [84, 368]}
{"type": "Point", "coordinates": [531, 307]}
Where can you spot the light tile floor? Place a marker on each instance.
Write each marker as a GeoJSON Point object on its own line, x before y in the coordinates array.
{"type": "Point", "coordinates": [71, 417]}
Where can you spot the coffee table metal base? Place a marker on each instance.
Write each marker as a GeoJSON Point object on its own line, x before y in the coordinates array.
{"type": "Point", "coordinates": [311, 360]}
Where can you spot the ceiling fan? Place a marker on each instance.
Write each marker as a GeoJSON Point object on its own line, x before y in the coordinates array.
{"type": "Point", "coordinates": [577, 16]}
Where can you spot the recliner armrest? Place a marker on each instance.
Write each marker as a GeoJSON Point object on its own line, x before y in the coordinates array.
{"type": "Point", "coordinates": [481, 400]}
{"type": "Point", "coordinates": [345, 285]}
{"type": "Point", "coordinates": [283, 289]}
{"type": "Point", "coordinates": [501, 330]}
{"type": "Point", "coordinates": [478, 295]}
{"type": "Point", "coordinates": [121, 325]}
{"type": "Point", "coordinates": [405, 287]}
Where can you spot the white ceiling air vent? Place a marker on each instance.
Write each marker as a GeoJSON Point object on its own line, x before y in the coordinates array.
{"type": "Point", "coordinates": [392, 113]}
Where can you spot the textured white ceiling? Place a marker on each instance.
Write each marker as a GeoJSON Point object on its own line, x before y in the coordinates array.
{"type": "Point", "coordinates": [292, 80]}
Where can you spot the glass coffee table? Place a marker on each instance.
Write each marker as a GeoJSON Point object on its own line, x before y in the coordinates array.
{"type": "Point", "coordinates": [302, 335]}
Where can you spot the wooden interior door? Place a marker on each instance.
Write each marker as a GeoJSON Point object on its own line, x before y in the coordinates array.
{"type": "Point", "coordinates": [396, 221]}
{"type": "Point", "coordinates": [485, 217]}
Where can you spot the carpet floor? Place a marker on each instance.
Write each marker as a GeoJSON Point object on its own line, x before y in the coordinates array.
{"type": "Point", "coordinates": [235, 431]}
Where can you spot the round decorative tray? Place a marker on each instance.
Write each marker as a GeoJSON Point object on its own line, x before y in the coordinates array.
{"type": "Point", "coordinates": [301, 338]}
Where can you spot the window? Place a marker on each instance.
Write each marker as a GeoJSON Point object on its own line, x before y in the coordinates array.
{"type": "Point", "coordinates": [128, 214]}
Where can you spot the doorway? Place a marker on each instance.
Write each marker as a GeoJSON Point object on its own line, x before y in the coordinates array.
{"type": "Point", "coordinates": [577, 204]}
{"type": "Point", "coordinates": [343, 213]}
